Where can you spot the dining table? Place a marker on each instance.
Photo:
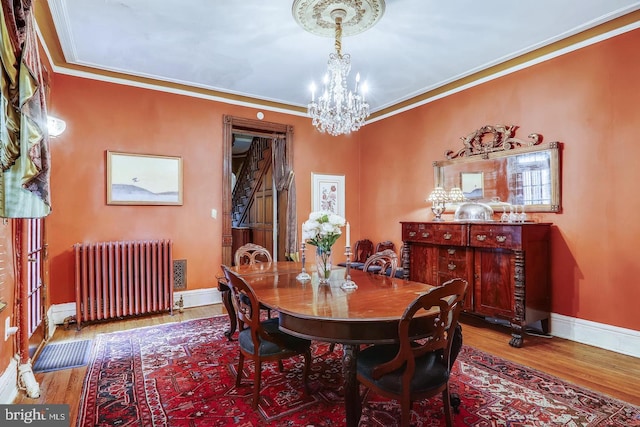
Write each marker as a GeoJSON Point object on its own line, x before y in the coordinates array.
{"type": "Point", "coordinates": [368, 314]}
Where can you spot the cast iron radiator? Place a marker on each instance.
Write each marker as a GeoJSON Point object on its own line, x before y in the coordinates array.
{"type": "Point", "coordinates": [121, 279]}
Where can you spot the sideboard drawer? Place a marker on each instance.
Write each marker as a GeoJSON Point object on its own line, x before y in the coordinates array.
{"type": "Point", "coordinates": [450, 234]}
{"type": "Point", "coordinates": [417, 232]}
{"type": "Point", "coordinates": [452, 261]}
{"type": "Point", "coordinates": [495, 236]}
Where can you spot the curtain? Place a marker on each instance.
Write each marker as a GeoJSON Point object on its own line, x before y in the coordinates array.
{"type": "Point", "coordinates": [286, 186]}
{"type": "Point", "coordinates": [24, 142]}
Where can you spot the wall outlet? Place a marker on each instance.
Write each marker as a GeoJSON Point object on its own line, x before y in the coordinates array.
{"type": "Point", "coordinates": [214, 213]}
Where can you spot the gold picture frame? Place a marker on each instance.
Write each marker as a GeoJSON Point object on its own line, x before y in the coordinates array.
{"type": "Point", "coordinates": [143, 179]}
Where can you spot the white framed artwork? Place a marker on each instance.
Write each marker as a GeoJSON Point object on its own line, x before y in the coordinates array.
{"type": "Point", "coordinates": [328, 193]}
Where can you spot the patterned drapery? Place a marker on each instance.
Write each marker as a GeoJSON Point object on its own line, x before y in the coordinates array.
{"type": "Point", "coordinates": [286, 186]}
{"type": "Point", "coordinates": [24, 142]}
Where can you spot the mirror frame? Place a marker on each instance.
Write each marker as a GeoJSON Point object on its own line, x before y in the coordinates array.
{"type": "Point", "coordinates": [495, 142]}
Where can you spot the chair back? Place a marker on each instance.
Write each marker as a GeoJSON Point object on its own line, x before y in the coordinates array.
{"type": "Point", "coordinates": [386, 259]}
{"type": "Point", "coordinates": [387, 244]}
{"type": "Point", "coordinates": [247, 307]}
{"type": "Point", "coordinates": [243, 298]}
{"type": "Point", "coordinates": [447, 301]}
{"type": "Point", "coordinates": [251, 254]}
{"type": "Point", "coordinates": [362, 250]}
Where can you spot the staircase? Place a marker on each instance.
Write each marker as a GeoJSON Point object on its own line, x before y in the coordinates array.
{"type": "Point", "coordinates": [249, 179]}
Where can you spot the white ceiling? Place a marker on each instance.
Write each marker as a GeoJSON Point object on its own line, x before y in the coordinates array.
{"type": "Point", "coordinates": [255, 48]}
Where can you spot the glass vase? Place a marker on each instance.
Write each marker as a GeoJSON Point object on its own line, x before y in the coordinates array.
{"type": "Point", "coordinates": [324, 262]}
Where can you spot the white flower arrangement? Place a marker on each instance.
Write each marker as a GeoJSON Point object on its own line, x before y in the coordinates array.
{"type": "Point", "coordinates": [322, 229]}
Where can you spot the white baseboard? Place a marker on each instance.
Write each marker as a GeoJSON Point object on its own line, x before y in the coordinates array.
{"type": "Point", "coordinates": [195, 298]}
{"type": "Point", "coordinates": [59, 312]}
{"type": "Point", "coordinates": [9, 383]}
{"type": "Point", "coordinates": [620, 340]}
{"type": "Point", "coordinates": [198, 297]}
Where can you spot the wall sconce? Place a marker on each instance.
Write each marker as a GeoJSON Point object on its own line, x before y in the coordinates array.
{"type": "Point", "coordinates": [438, 198]}
{"type": "Point", "coordinates": [55, 126]}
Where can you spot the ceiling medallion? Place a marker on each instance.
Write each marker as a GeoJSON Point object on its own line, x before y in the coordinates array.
{"type": "Point", "coordinates": [338, 110]}
{"type": "Point", "coordinates": [315, 15]}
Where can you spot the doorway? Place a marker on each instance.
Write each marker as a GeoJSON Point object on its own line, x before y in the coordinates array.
{"type": "Point", "coordinates": [273, 206]}
{"type": "Point", "coordinates": [254, 207]}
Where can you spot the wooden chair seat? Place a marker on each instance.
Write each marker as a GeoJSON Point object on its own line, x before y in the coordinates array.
{"type": "Point", "coordinates": [285, 342]}
{"type": "Point", "coordinates": [429, 373]}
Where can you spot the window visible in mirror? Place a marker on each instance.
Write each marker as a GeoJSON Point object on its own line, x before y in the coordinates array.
{"type": "Point", "coordinates": [531, 180]}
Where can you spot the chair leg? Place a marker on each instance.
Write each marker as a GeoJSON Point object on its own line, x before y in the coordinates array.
{"type": "Point", "coordinates": [256, 384]}
{"type": "Point", "coordinates": [240, 368]}
{"type": "Point", "coordinates": [280, 366]}
{"type": "Point", "coordinates": [446, 400]}
{"type": "Point", "coordinates": [305, 371]}
{"type": "Point", "coordinates": [405, 416]}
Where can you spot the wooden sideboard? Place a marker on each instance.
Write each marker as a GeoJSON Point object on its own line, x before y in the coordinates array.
{"type": "Point", "coordinates": [506, 265]}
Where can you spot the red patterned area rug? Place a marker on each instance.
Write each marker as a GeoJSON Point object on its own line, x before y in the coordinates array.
{"type": "Point", "coordinates": [183, 374]}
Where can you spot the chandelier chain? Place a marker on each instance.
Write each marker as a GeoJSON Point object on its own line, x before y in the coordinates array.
{"type": "Point", "coordinates": [338, 44]}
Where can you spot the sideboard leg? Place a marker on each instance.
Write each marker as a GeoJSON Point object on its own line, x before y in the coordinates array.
{"type": "Point", "coordinates": [516, 335]}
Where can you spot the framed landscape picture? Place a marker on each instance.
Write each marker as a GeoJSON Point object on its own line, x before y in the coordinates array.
{"type": "Point", "coordinates": [472, 184]}
{"type": "Point", "coordinates": [143, 179]}
{"type": "Point", "coordinates": [327, 193]}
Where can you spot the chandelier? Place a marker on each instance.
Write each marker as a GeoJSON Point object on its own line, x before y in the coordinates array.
{"type": "Point", "coordinates": [338, 110]}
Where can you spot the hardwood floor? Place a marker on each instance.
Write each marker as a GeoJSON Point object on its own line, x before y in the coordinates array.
{"type": "Point", "coordinates": [610, 373]}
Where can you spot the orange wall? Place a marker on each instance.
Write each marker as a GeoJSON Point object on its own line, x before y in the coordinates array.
{"type": "Point", "coordinates": [104, 116]}
{"type": "Point", "coordinates": [588, 100]}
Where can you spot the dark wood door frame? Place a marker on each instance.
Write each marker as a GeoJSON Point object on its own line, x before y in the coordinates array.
{"type": "Point", "coordinates": [233, 125]}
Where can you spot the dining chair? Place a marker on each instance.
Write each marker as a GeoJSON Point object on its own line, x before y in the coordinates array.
{"type": "Point", "coordinates": [384, 263]}
{"type": "Point", "coordinates": [251, 253]}
{"type": "Point", "coordinates": [387, 244]}
{"type": "Point", "coordinates": [362, 250]}
{"type": "Point", "coordinates": [419, 366]}
{"type": "Point", "coordinates": [262, 340]}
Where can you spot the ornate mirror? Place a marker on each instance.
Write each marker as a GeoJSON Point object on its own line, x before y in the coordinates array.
{"type": "Point", "coordinates": [495, 168]}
